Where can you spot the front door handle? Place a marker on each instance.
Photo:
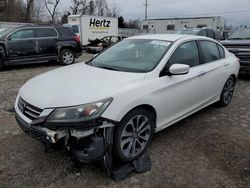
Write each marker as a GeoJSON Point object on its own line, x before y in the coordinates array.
{"type": "Point", "coordinates": [202, 73]}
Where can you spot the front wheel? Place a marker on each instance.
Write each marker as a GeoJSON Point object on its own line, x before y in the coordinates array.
{"type": "Point", "coordinates": [133, 135]}
{"type": "Point", "coordinates": [67, 57]}
{"type": "Point", "coordinates": [227, 92]}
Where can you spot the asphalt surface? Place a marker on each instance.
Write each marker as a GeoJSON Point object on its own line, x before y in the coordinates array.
{"type": "Point", "coordinates": [209, 149]}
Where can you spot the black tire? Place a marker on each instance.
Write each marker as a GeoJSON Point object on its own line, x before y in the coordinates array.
{"type": "Point", "coordinates": [227, 92]}
{"type": "Point", "coordinates": [67, 57]}
{"type": "Point", "coordinates": [125, 133]}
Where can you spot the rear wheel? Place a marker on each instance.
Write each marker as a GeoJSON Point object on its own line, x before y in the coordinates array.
{"type": "Point", "coordinates": [133, 135]}
{"type": "Point", "coordinates": [227, 92]}
{"type": "Point", "coordinates": [67, 57]}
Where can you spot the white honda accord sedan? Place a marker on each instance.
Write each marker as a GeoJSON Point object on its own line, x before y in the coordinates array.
{"type": "Point", "coordinates": [136, 87]}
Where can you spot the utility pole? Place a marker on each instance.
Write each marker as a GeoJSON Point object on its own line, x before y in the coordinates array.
{"type": "Point", "coordinates": [146, 9]}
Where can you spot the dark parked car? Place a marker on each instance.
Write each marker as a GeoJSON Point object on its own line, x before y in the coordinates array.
{"type": "Point", "coordinates": [239, 44]}
{"type": "Point", "coordinates": [35, 44]}
{"type": "Point", "coordinates": [97, 45]}
{"type": "Point", "coordinates": [207, 32]}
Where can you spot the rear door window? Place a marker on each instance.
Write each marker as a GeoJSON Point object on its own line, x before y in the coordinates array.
{"type": "Point", "coordinates": [45, 32]}
{"type": "Point", "coordinates": [222, 52]}
{"type": "Point", "coordinates": [210, 51]}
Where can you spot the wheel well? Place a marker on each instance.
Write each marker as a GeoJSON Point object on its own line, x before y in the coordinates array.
{"type": "Point", "coordinates": [234, 77]}
{"type": "Point", "coordinates": [67, 48]}
{"type": "Point", "coordinates": [149, 108]}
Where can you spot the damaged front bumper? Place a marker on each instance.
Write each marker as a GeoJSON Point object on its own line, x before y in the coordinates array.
{"type": "Point", "coordinates": [85, 141]}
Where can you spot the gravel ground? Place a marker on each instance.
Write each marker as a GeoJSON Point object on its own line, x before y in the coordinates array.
{"type": "Point", "coordinates": [209, 149]}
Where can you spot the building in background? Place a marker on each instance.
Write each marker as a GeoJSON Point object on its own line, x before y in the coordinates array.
{"type": "Point", "coordinates": [166, 25]}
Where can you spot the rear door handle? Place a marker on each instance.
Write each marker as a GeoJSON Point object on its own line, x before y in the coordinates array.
{"type": "Point", "coordinates": [227, 64]}
{"type": "Point", "coordinates": [202, 73]}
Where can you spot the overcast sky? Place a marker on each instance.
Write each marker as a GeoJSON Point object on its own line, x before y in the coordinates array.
{"type": "Point", "coordinates": [134, 9]}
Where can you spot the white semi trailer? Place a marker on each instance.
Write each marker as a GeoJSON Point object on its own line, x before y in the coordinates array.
{"type": "Point", "coordinates": [92, 27]}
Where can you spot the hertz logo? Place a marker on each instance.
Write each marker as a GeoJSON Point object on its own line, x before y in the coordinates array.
{"type": "Point", "coordinates": [99, 24]}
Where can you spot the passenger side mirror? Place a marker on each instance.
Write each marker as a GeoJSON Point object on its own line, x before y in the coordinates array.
{"type": "Point", "coordinates": [179, 69]}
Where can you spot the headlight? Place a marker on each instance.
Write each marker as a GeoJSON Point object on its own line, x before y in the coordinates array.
{"type": "Point", "coordinates": [80, 113]}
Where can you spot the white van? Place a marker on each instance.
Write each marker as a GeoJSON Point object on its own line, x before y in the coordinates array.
{"type": "Point", "coordinates": [92, 27]}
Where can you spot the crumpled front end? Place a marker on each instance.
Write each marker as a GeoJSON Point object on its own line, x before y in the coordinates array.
{"type": "Point", "coordinates": [85, 140]}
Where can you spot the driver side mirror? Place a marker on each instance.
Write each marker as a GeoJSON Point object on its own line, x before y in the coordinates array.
{"type": "Point", "coordinates": [179, 69]}
{"type": "Point", "coordinates": [176, 69]}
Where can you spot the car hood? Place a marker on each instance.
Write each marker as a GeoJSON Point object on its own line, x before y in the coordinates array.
{"type": "Point", "coordinates": [76, 84]}
{"type": "Point", "coordinates": [236, 42]}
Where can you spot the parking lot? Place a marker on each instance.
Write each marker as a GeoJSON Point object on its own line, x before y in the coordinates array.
{"type": "Point", "coordinates": [209, 149]}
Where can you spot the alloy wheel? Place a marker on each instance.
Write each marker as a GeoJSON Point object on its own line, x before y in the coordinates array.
{"type": "Point", "coordinates": [228, 91]}
{"type": "Point", "coordinates": [68, 58]}
{"type": "Point", "coordinates": [135, 136]}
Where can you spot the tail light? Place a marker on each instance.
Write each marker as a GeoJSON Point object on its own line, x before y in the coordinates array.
{"type": "Point", "coordinates": [77, 38]}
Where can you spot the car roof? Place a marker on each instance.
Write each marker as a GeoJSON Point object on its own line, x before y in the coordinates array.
{"type": "Point", "coordinates": [39, 25]}
{"type": "Point", "coordinates": [167, 37]}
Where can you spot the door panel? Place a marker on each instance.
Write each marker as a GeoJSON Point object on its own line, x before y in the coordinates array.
{"type": "Point", "coordinates": [215, 69]}
{"type": "Point", "coordinates": [47, 47]}
{"type": "Point", "coordinates": [47, 39]}
{"type": "Point", "coordinates": [22, 44]}
{"type": "Point", "coordinates": [181, 94]}
{"type": "Point", "coordinates": [21, 49]}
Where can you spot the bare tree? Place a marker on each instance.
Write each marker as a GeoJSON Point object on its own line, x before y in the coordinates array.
{"type": "Point", "coordinates": [51, 6]}
{"type": "Point", "coordinates": [76, 6]}
{"type": "Point", "coordinates": [82, 7]}
{"type": "Point", "coordinates": [92, 7]}
{"type": "Point", "coordinates": [102, 8]}
{"type": "Point", "coordinates": [15, 11]}
{"type": "Point", "coordinates": [39, 10]}
{"type": "Point", "coordinates": [114, 11]}
{"type": "Point", "coordinates": [28, 12]}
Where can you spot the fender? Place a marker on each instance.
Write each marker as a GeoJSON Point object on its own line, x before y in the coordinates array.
{"type": "Point", "coordinates": [61, 45]}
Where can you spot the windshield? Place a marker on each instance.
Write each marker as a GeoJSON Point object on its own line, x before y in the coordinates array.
{"type": "Point", "coordinates": [243, 33]}
{"type": "Point", "coordinates": [132, 55]}
{"type": "Point", "coordinates": [187, 32]}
